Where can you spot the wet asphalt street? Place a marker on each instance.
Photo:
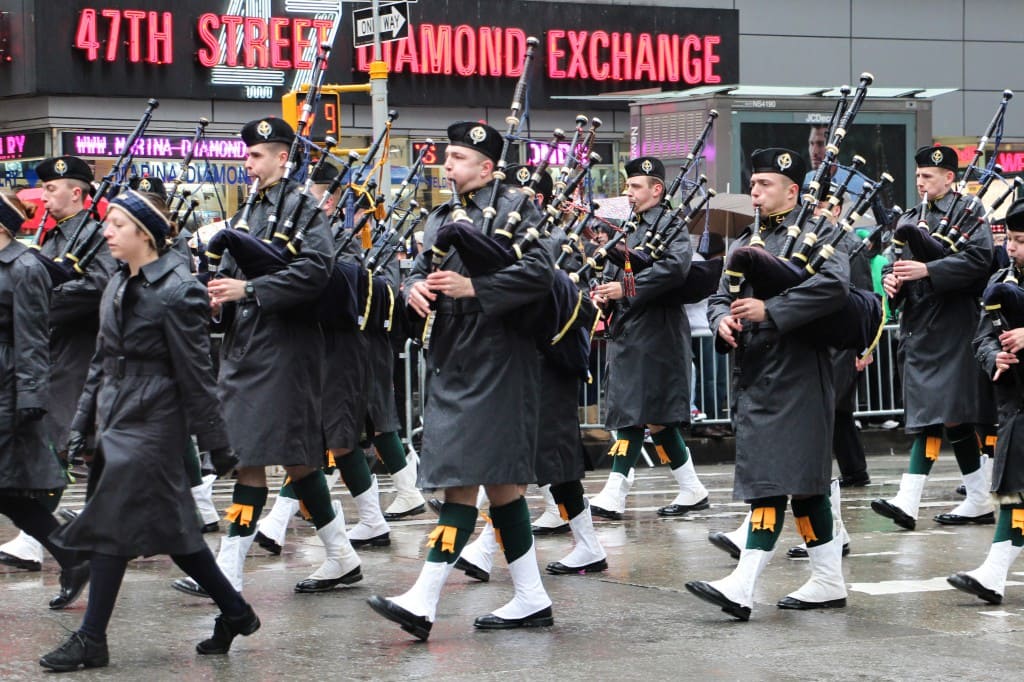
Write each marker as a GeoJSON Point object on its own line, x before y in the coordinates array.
{"type": "Point", "coordinates": [633, 622]}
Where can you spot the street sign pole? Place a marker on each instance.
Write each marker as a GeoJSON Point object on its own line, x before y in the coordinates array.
{"type": "Point", "coordinates": [379, 99]}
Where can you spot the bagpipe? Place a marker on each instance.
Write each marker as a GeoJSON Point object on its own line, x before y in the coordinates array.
{"type": "Point", "coordinates": [338, 304]}
{"type": "Point", "coordinates": [701, 279]}
{"type": "Point", "coordinates": [966, 213]}
{"type": "Point", "coordinates": [560, 322]}
{"type": "Point", "coordinates": [858, 324]}
{"type": "Point", "coordinates": [1003, 304]}
{"type": "Point", "coordinates": [83, 246]}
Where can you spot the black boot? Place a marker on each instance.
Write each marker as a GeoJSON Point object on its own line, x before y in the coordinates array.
{"type": "Point", "coordinates": [72, 581]}
{"type": "Point", "coordinates": [226, 628]}
{"type": "Point", "coordinates": [79, 650]}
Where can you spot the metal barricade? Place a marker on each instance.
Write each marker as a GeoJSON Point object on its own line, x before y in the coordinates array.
{"type": "Point", "coordinates": [878, 388]}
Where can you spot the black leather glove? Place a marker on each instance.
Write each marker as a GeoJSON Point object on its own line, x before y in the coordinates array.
{"type": "Point", "coordinates": [76, 445]}
{"type": "Point", "coordinates": [30, 414]}
{"type": "Point", "coordinates": [223, 460]}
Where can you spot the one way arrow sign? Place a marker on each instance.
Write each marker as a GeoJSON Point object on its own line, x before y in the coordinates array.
{"type": "Point", "coordinates": [393, 23]}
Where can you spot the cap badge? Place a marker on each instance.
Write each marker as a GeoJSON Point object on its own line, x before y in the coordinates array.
{"type": "Point", "coordinates": [145, 185]}
{"type": "Point", "coordinates": [264, 129]}
{"type": "Point", "coordinates": [523, 175]}
{"type": "Point", "coordinates": [784, 161]}
{"type": "Point", "coordinates": [647, 166]}
{"type": "Point", "coordinates": [478, 134]}
{"type": "Point", "coordinates": [937, 156]}
{"type": "Point", "coordinates": [60, 167]}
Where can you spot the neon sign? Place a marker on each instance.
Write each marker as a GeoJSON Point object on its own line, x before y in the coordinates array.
{"type": "Point", "coordinates": [258, 42]}
{"type": "Point", "coordinates": [129, 27]}
{"type": "Point", "coordinates": [466, 51]}
{"type": "Point", "coordinates": [154, 147]}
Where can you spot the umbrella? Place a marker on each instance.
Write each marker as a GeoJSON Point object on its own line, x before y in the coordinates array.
{"type": "Point", "coordinates": [728, 214]}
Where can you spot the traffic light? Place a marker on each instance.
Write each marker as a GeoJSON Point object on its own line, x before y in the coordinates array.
{"type": "Point", "coordinates": [326, 117]}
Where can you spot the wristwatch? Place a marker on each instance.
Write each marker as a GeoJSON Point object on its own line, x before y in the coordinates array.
{"type": "Point", "coordinates": [250, 290]}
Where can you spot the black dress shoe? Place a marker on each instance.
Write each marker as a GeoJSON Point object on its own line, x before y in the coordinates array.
{"type": "Point", "coordinates": [701, 589]}
{"type": "Point", "coordinates": [435, 504]}
{"type": "Point", "coordinates": [72, 581]}
{"type": "Point", "coordinates": [800, 551]}
{"type": "Point", "coordinates": [891, 511]}
{"type": "Point", "coordinates": [472, 570]}
{"type": "Point", "coordinates": [858, 481]}
{"type": "Point", "coordinates": [312, 585]}
{"type": "Point", "coordinates": [226, 628]}
{"type": "Point", "coordinates": [680, 509]}
{"type": "Point", "coordinates": [794, 604]}
{"type": "Point", "coordinates": [558, 568]}
{"type": "Point", "coordinates": [17, 562]}
{"type": "Point", "coordinates": [268, 544]}
{"type": "Point", "coordinates": [189, 587]}
{"type": "Point", "coordinates": [78, 650]}
{"type": "Point", "coordinates": [394, 516]}
{"type": "Point", "coordinates": [551, 530]}
{"type": "Point", "coordinates": [721, 541]}
{"type": "Point", "coordinates": [605, 513]}
{"type": "Point", "coordinates": [970, 585]}
{"type": "Point", "coordinates": [957, 520]}
{"type": "Point", "coordinates": [382, 540]}
{"type": "Point", "coordinates": [417, 626]}
{"type": "Point", "coordinates": [211, 527]}
{"type": "Point", "coordinates": [540, 619]}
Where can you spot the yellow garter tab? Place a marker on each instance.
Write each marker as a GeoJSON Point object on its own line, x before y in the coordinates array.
{"type": "Point", "coordinates": [446, 535]}
{"type": "Point", "coordinates": [806, 530]}
{"type": "Point", "coordinates": [304, 511]}
{"type": "Point", "coordinates": [241, 513]}
{"type": "Point", "coordinates": [932, 445]}
{"type": "Point", "coordinates": [990, 441]}
{"type": "Point", "coordinates": [619, 448]}
{"type": "Point", "coordinates": [331, 461]}
{"type": "Point", "coordinates": [763, 518]}
{"type": "Point", "coordinates": [1017, 520]}
{"type": "Point", "coordinates": [662, 454]}
{"type": "Point", "coordinates": [497, 538]}
{"type": "Point", "coordinates": [562, 512]}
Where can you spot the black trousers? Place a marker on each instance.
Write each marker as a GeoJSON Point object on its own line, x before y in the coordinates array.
{"type": "Point", "coordinates": [847, 447]}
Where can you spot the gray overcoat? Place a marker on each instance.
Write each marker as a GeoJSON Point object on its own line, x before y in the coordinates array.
{"type": "Point", "coordinates": [782, 397]}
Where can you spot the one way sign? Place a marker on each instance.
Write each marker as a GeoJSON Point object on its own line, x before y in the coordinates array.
{"type": "Point", "coordinates": [393, 23]}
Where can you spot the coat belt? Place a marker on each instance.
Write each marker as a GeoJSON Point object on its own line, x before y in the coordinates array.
{"type": "Point", "coordinates": [121, 366]}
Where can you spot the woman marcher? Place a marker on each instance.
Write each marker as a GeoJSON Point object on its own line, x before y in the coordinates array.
{"type": "Point", "coordinates": [150, 385]}
{"type": "Point", "coordinates": [29, 471]}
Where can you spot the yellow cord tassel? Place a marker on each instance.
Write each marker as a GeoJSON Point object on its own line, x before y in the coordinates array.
{"type": "Point", "coordinates": [241, 513]}
{"type": "Point", "coordinates": [366, 236]}
{"type": "Point", "coordinates": [763, 518]}
{"type": "Point", "coordinates": [444, 534]}
{"type": "Point", "coordinates": [806, 530]}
